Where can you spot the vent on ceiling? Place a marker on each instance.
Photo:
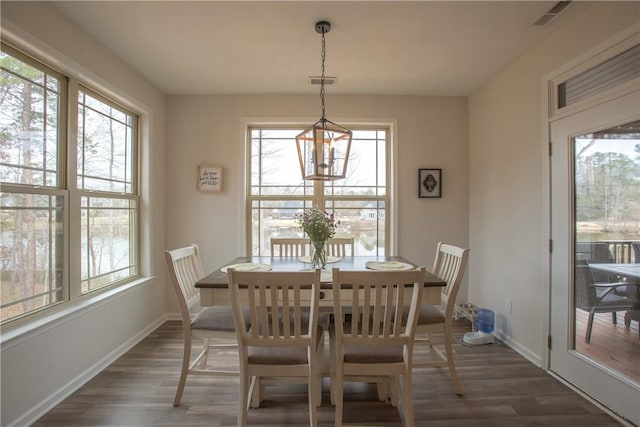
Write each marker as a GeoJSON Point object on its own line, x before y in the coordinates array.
{"type": "Point", "coordinates": [552, 13]}
{"type": "Point", "coordinates": [315, 80]}
{"type": "Point", "coordinates": [617, 70]}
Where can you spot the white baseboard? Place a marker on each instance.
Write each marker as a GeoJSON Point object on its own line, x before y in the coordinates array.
{"type": "Point", "coordinates": [173, 316]}
{"type": "Point", "coordinates": [54, 399]}
{"type": "Point", "coordinates": [519, 348]}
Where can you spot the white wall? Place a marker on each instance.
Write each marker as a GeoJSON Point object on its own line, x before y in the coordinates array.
{"type": "Point", "coordinates": [41, 366]}
{"type": "Point", "coordinates": [431, 132]}
{"type": "Point", "coordinates": [507, 175]}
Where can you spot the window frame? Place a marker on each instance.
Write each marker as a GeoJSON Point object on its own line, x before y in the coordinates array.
{"type": "Point", "coordinates": [318, 196]}
{"type": "Point", "coordinates": [67, 188]}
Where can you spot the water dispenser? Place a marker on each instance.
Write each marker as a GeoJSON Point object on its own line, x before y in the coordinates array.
{"type": "Point", "coordinates": [485, 325]}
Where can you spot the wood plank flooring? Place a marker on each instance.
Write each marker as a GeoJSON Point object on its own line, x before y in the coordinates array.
{"type": "Point", "coordinates": [501, 389]}
{"type": "Point", "coordinates": [616, 346]}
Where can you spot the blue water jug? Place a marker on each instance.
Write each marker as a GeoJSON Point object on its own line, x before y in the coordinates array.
{"type": "Point", "coordinates": [485, 320]}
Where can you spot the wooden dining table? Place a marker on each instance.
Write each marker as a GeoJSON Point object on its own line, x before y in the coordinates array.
{"type": "Point", "coordinates": [214, 287]}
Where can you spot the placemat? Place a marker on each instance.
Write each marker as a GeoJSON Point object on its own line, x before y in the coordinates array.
{"type": "Point", "coordinates": [247, 266]}
{"type": "Point", "coordinates": [388, 265]}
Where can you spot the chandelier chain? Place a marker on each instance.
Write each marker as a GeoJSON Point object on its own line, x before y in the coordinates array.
{"type": "Point", "coordinates": [322, 118]}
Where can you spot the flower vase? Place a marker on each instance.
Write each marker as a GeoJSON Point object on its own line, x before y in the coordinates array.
{"type": "Point", "coordinates": [319, 253]}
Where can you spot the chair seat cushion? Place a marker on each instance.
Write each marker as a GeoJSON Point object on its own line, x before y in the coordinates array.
{"type": "Point", "coordinates": [215, 319]}
{"type": "Point", "coordinates": [366, 354]}
{"type": "Point", "coordinates": [281, 355]}
{"type": "Point", "coordinates": [429, 315]}
{"type": "Point", "coordinates": [277, 355]}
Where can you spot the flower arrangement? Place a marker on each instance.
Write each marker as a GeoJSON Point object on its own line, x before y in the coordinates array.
{"type": "Point", "coordinates": [318, 224]}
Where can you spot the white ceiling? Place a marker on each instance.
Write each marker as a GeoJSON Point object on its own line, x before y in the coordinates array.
{"type": "Point", "coordinates": [270, 47]}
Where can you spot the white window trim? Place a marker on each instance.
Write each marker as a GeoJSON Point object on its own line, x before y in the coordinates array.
{"type": "Point", "coordinates": [78, 74]}
{"type": "Point", "coordinates": [247, 122]}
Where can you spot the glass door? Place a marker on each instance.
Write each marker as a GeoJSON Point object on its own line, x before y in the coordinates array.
{"type": "Point", "coordinates": [595, 218]}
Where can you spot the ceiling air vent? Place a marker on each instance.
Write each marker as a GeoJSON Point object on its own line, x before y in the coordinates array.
{"type": "Point", "coordinates": [552, 13]}
{"type": "Point", "coordinates": [315, 80]}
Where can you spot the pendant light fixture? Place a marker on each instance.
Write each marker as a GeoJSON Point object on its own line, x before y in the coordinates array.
{"type": "Point", "coordinates": [323, 148]}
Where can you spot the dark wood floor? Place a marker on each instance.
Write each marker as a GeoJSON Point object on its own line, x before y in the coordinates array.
{"type": "Point", "coordinates": [501, 389]}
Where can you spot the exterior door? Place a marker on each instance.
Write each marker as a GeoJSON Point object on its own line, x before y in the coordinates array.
{"type": "Point", "coordinates": [595, 207]}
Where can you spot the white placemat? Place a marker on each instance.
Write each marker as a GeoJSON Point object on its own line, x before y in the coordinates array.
{"type": "Point", "coordinates": [247, 266]}
{"type": "Point", "coordinates": [330, 259]}
{"type": "Point", "coordinates": [388, 265]}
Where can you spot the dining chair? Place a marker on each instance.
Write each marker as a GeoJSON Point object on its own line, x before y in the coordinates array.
{"type": "Point", "coordinates": [281, 337]}
{"type": "Point", "coordinates": [212, 325]}
{"type": "Point", "coordinates": [598, 297]}
{"type": "Point", "coordinates": [373, 344]}
{"type": "Point", "coordinates": [289, 246]}
{"type": "Point", "coordinates": [340, 246]}
{"type": "Point", "coordinates": [597, 252]}
{"type": "Point", "coordinates": [449, 264]}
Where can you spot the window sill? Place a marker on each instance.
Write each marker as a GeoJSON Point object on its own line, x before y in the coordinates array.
{"type": "Point", "coordinates": [11, 335]}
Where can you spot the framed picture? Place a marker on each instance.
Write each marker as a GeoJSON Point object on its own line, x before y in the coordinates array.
{"type": "Point", "coordinates": [209, 178]}
{"type": "Point", "coordinates": [430, 183]}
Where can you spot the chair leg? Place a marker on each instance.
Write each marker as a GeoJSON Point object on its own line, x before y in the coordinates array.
{"type": "Point", "coordinates": [186, 358]}
{"type": "Point", "coordinates": [448, 345]}
{"type": "Point", "coordinates": [257, 391]}
{"type": "Point", "coordinates": [407, 399]}
{"type": "Point", "coordinates": [313, 396]}
{"type": "Point", "coordinates": [627, 320]}
{"type": "Point", "coordinates": [205, 347]}
{"type": "Point", "coordinates": [332, 371]}
{"type": "Point", "coordinates": [589, 326]}
{"type": "Point", "coordinates": [243, 408]}
{"type": "Point", "coordinates": [338, 390]}
{"type": "Point", "coordinates": [382, 387]}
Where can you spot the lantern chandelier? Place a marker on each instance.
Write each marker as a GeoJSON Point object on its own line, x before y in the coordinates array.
{"type": "Point", "coordinates": [323, 148]}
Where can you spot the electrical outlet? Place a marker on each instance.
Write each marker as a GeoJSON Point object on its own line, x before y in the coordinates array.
{"type": "Point", "coordinates": [507, 305]}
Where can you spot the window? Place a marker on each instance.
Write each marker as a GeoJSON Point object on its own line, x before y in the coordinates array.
{"type": "Point", "coordinates": [277, 193]}
{"type": "Point", "coordinates": [66, 205]}
{"type": "Point", "coordinates": [107, 190]}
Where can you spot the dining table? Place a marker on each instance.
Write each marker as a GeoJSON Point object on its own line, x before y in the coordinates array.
{"type": "Point", "coordinates": [630, 271]}
{"type": "Point", "coordinates": [214, 286]}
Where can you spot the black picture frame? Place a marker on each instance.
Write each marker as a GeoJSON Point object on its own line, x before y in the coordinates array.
{"type": "Point", "coordinates": [429, 183]}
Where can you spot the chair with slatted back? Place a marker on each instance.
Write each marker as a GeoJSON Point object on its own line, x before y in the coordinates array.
{"type": "Point", "coordinates": [340, 246]}
{"type": "Point", "coordinates": [449, 264]}
{"type": "Point", "coordinates": [289, 246]}
{"type": "Point", "coordinates": [212, 325]}
{"type": "Point", "coordinates": [374, 345]}
{"type": "Point", "coordinates": [284, 339]}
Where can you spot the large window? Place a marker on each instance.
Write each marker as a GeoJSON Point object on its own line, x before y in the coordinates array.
{"type": "Point", "coordinates": [277, 192]}
{"type": "Point", "coordinates": [69, 201]}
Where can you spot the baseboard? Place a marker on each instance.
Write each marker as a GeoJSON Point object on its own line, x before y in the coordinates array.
{"type": "Point", "coordinates": [519, 348]}
{"type": "Point", "coordinates": [173, 316]}
{"type": "Point", "coordinates": [56, 398]}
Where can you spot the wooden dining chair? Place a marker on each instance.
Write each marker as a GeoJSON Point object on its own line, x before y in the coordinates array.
{"type": "Point", "coordinates": [340, 246]}
{"type": "Point", "coordinates": [449, 264]}
{"type": "Point", "coordinates": [289, 246]}
{"type": "Point", "coordinates": [213, 325]}
{"type": "Point", "coordinates": [374, 344]}
{"type": "Point", "coordinates": [281, 337]}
